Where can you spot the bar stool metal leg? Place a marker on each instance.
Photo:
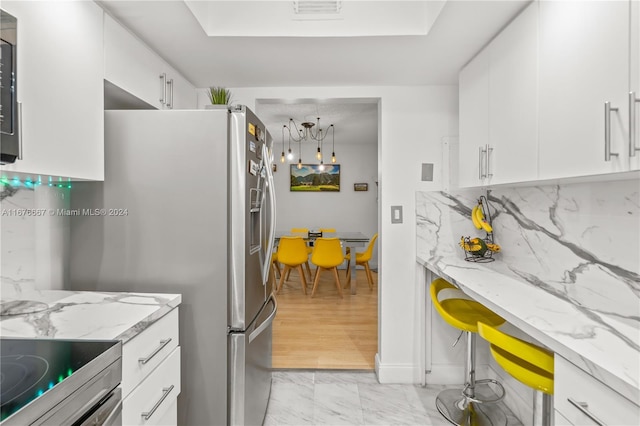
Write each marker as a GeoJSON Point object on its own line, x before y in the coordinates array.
{"type": "Point", "coordinates": [464, 407]}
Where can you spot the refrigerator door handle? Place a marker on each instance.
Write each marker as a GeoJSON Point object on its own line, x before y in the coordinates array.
{"type": "Point", "coordinates": [266, 323]}
{"type": "Point", "coordinates": [266, 158]}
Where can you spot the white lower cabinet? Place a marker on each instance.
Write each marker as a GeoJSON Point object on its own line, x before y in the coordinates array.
{"type": "Point", "coordinates": [142, 354]}
{"type": "Point", "coordinates": [560, 420]}
{"type": "Point", "coordinates": [151, 374]}
{"type": "Point", "coordinates": [154, 401]}
{"type": "Point", "coordinates": [580, 399]}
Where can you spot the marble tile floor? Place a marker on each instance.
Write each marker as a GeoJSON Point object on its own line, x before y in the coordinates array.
{"type": "Point", "coordinates": [329, 397]}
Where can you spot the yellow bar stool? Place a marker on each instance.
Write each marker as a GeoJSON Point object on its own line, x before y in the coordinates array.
{"type": "Point", "coordinates": [526, 362]}
{"type": "Point", "coordinates": [464, 406]}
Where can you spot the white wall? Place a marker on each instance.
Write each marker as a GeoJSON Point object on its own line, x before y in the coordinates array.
{"type": "Point", "coordinates": [413, 120]}
{"type": "Point", "coordinates": [346, 210]}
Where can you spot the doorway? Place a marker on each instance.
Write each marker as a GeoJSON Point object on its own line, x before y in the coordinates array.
{"type": "Point", "coordinates": [326, 331]}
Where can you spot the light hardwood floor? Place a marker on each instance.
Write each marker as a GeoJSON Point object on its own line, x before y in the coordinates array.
{"type": "Point", "coordinates": [326, 332]}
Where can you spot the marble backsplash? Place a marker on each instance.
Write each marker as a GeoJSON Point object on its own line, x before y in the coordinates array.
{"type": "Point", "coordinates": [34, 237]}
{"type": "Point", "coordinates": [578, 241]}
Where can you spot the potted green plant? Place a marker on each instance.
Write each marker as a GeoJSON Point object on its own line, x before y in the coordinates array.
{"type": "Point", "coordinates": [219, 96]}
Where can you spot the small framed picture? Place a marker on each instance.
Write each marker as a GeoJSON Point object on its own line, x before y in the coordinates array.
{"type": "Point", "coordinates": [360, 186]}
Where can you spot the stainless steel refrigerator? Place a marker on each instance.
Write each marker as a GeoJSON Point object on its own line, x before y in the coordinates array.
{"type": "Point", "coordinates": [190, 208]}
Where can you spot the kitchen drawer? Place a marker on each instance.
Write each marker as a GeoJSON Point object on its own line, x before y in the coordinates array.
{"type": "Point", "coordinates": [602, 402]}
{"type": "Point", "coordinates": [163, 382]}
{"type": "Point", "coordinates": [560, 420]}
{"type": "Point", "coordinates": [162, 337]}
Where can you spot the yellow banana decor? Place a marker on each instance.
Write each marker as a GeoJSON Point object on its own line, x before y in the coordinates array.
{"type": "Point", "coordinates": [480, 249]}
{"type": "Point", "coordinates": [474, 216]}
{"type": "Point", "coordinates": [479, 221]}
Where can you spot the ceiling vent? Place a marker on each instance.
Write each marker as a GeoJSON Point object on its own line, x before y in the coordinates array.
{"type": "Point", "coordinates": [316, 7]}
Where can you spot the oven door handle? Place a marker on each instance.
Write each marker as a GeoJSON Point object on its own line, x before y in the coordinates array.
{"type": "Point", "coordinates": [108, 413]}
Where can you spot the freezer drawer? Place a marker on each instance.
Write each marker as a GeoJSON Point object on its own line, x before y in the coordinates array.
{"type": "Point", "coordinates": [250, 369]}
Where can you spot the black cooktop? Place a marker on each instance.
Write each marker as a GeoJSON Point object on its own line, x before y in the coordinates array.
{"type": "Point", "coordinates": [32, 367]}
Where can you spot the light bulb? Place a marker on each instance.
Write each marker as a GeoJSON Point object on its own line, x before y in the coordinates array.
{"type": "Point", "coordinates": [321, 166]}
{"type": "Point", "coordinates": [299, 163]}
{"type": "Point", "coordinates": [319, 155]}
{"type": "Point", "coordinates": [289, 155]}
{"type": "Point", "coordinates": [282, 157]}
{"type": "Point", "coordinates": [333, 157]}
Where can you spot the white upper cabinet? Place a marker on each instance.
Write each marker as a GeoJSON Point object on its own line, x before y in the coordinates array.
{"type": "Point", "coordinates": [60, 87]}
{"type": "Point", "coordinates": [559, 102]}
{"type": "Point", "coordinates": [584, 63]}
{"type": "Point", "coordinates": [498, 108]}
{"type": "Point", "coordinates": [138, 70]}
{"type": "Point", "coordinates": [474, 121]}
{"type": "Point", "coordinates": [513, 95]}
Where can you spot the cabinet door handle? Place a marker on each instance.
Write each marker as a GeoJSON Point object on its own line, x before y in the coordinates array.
{"type": "Point", "coordinates": [170, 99]}
{"type": "Point", "coordinates": [632, 124]}
{"type": "Point", "coordinates": [165, 392]}
{"type": "Point", "coordinates": [489, 151]}
{"type": "Point", "coordinates": [481, 150]}
{"type": "Point", "coordinates": [163, 88]}
{"type": "Point", "coordinates": [607, 132]}
{"type": "Point", "coordinates": [146, 359]}
{"type": "Point", "coordinates": [584, 409]}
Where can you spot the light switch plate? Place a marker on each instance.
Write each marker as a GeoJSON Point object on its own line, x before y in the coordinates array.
{"type": "Point", "coordinates": [396, 214]}
{"type": "Point", "coordinates": [427, 172]}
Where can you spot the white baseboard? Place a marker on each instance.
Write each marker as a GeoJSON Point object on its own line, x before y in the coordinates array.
{"type": "Point", "coordinates": [396, 373]}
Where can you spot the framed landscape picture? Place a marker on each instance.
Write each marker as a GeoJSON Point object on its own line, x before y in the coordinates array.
{"type": "Point", "coordinates": [310, 178]}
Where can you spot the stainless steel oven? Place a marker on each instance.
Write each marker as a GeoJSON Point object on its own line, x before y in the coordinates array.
{"type": "Point", "coordinates": [10, 131]}
{"type": "Point", "coordinates": [60, 382]}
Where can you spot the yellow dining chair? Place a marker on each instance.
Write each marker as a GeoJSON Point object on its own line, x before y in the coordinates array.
{"type": "Point", "coordinates": [526, 362]}
{"type": "Point", "coordinates": [330, 230]}
{"type": "Point", "coordinates": [275, 264]}
{"type": "Point", "coordinates": [362, 259]}
{"type": "Point", "coordinates": [327, 255]}
{"type": "Point", "coordinates": [304, 231]}
{"type": "Point", "coordinates": [465, 406]}
{"type": "Point", "coordinates": [292, 253]}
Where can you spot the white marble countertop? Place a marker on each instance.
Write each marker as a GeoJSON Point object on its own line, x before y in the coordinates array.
{"type": "Point", "coordinates": [567, 274]}
{"type": "Point", "coordinates": [84, 314]}
{"type": "Point", "coordinates": [550, 320]}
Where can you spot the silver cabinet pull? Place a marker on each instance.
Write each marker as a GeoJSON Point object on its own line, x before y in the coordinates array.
{"type": "Point", "coordinates": [607, 132]}
{"type": "Point", "coordinates": [481, 150]}
{"type": "Point", "coordinates": [584, 409]}
{"type": "Point", "coordinates": [632, 124]}
{"type": "Point", "coordinates": [170, 98]}
{"type": "Point", "coordinates": [165, 392]}
{"type": "Point", "coordinates": [489, 151]}
{"type": "Point", "coordinates": [163, 88]}
{"type": "Point", "coordinates": [146, 359]}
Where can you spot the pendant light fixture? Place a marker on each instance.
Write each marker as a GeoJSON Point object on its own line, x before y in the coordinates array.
{"type": "Point", "coordinates": [307, 134]}
{"type": "Point", "coordinates": [289, 153]}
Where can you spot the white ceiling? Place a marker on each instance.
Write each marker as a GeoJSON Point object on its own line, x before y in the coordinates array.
{"type": "Point", "coordinates": [460, 30]}
{"type": "Point", "coordinates": [455, 31]}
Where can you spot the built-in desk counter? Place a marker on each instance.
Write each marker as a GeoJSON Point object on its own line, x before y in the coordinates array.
{"type": "Point", "coordinates": [567, 274]}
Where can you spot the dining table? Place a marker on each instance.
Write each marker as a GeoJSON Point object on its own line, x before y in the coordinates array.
{"type": "Point", "coordinates": [353, 240]}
